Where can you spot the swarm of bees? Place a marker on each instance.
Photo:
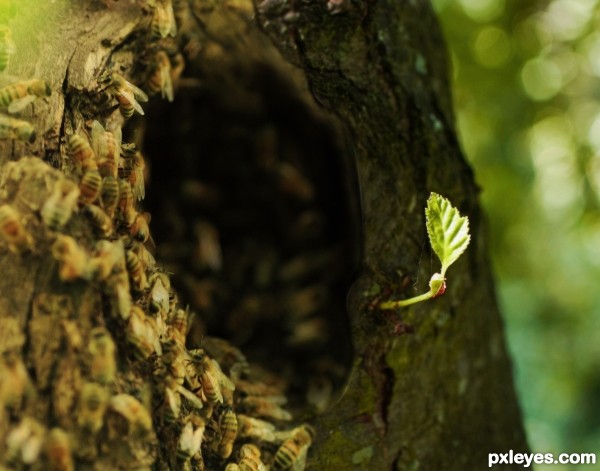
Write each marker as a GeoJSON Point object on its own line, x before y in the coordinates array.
{"type": "Point", "coordinates": [207, 407]}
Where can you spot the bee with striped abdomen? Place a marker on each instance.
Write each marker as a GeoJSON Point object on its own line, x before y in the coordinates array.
{"type": "Point", "coordinates": [80, 150]}
{"type": "Point", "coordinates": [125, 93]}
{"type": "Point", "coordinates": [89, 187]}
{"type": "Point", "coordinates": [292, 452]}
{"type": "Point", "coordinates": [17, 96]}
{"type": "Point", "coordinates": [102, 222]}
{"type": "Point", "coordinates": [11, 128]}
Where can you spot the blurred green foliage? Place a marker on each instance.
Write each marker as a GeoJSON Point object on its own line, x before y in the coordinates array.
{"type": "Point", "coordinates": [527, 98]}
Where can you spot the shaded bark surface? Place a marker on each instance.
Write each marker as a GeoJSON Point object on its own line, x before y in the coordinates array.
{"type": "Point", "coordinates": [364, 84]}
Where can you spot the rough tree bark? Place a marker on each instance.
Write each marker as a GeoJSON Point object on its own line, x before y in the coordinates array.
{"type": "Point", "coordinates": [362, 89]}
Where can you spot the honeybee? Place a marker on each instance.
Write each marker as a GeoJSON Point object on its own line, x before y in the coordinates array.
{"type": "Point", "coordinates": [92, 405]}
{"type": "Point", "coordinates": [73, 258]}
{"type": "Point", "coordinates": [142, 334]}
{"type": "Point", "coordinates": [125, 203]}
{"type": "Point", "coordinates": [12, 230]}
{"type": "Point", "coordinates": [228, 426]}
{"type": "Point", "coordinates": [136, 271]}
{"type": "Point", "coordinates": [292, 452]}
{"type": "Point", "coordinates": [249, 458]}
{"type": "Point", "coordinates": [159, 292]}
{"type": "Point", "coordinates": [102, 221]}
{"type": "Point", "coordinates": [24, 442]}
{"type": "Point", "coordinates": [134, 412]}
{"type": "Point", "coordinates": [80, 150]}
{"type": "Point", "coordinates": [163, 22]}
{"type": "Point", "coordinates": [125, 92]}
{"type": "Point", "coordinates": [60, 204]}
{"type": "Point", "coordinates": [107, 146]}
{"type": "Point", "coordinates": [132, 169]}
{"type": "Point", "coordinates": [110, 195]}
{"type": "Point", "coordinates": [255, 429]}
{"type": "Point", "coordinates": [17, 96]}
{"type": "Point", "coordinates": [7, 46]}
{"type": "Point", "coordinates": [190, 440]}
{"type": "Point", "coordinates": [103, 364]}
{"type": "Point", "coordinates": [179, 322]}
{"type": "Point", "coordinates": [11, 128]}
{"type": "Point", "coordinates": [57, 448]}
{"type": "Point", "coordinates": [89, 187]}
{"type": "Point", "coordinates": [266, 407]}
{"type": "Point", "coordinates": [110, 257]}
{"type": "Point", "coordinates": [211, 377]}
{"type": "Point", "coordinates": [139, 229]}
{"type": "Point", "coordinates": [160, 78]}
{"type": "Point", "coordinates": [172, 405]}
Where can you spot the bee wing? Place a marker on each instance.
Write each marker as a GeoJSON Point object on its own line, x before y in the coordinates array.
{"type": "Point", "coordinates": [172, 25]}
{"type": "Point", "coordinates": [300, 462]}
{"type": "Point", "coordinates": [139, 189]}
{"type": "Point", "coordinates": [98, 139]}
{"type": "Point", "coordinates": [167, 83]}
{"type": "Point", "coordinates": [138, 93]}
{"type": "Point", "coordinates": [130, 97]}
{"type": "Point", "coordinates": [194, 400]}
{"type": "Point", "coordinates": [20, 104]}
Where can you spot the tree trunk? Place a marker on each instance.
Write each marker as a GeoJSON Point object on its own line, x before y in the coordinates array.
{"type": "Point", "coordinates": [286, 183]}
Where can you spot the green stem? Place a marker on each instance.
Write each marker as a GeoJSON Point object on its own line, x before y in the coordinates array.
{"type": "Point", "coordinates": [406, 302]}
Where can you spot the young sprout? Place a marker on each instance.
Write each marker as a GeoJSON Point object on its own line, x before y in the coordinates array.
{"type": "Point", "coordinates": [449, 237]}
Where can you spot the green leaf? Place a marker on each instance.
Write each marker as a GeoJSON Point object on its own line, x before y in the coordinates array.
{"type": "Point", "coordinates": [448, 231]}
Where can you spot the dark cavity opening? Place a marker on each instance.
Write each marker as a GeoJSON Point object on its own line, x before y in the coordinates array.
{"type": "Point", "coordinates": [254, 212]}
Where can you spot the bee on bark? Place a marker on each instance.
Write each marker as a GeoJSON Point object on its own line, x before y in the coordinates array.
{"type": "Point", "coordinates": [93, 401]}
{"type": "Point", "coordinates": [125, 93]}
{"type": "Point", "coordinates": [139, 229]}
{"type": "Point", "coordinates": [107, 147]}
{"type": "Point", "coordinates": [134, 412]}
{"type": "Point", "coordinates": [228, 427]}
{"type": "Point", "coordinates": [142, 334]}
{"type": "Point", "coordinates": [7, 46]}
{"type": "Point", "coordinates": [102, 222]}
{"type": "Point", "coordinates": [210, 376]}
{"type": "Point", "coordinates": [12, 128]}
{"type": "Point", "coordinates": [292, 452]}
{"type": "Point", "coordinates": [171, 405]}
{"type": "Point", "coordinates": [160, 78]}
{"type": "Point", "coordinates": [73, 258]}
{"type": "Point", "coordinates": [136, 271]}
{"type": "Point", "coordinates": [132, 169]}
{"type": "Point", "coordinates": [89, 187]}
{"type": "Point", "coordinates": [57, 449]}
{"type": "Point", "coordinates": [249, 458]}
{"type": "Point", "coordinates": [59, 206]}
{"type": "Point", "coordinates": [125, 204]}
{"type": "Point", "coordinates": [103, 363]}
{"type": "Point", "coordinates": [110, 256]}
{"type": "Point", "coordinates": [80, 150]}
{"type": "Point", "coordinates": [12, 230]}
{"type": "Point", "coordinates": [17, 96]}
{"type": "Point", "coordinates": [110, 195]}
{"type": "Point", "coordinates": [163, 21]}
